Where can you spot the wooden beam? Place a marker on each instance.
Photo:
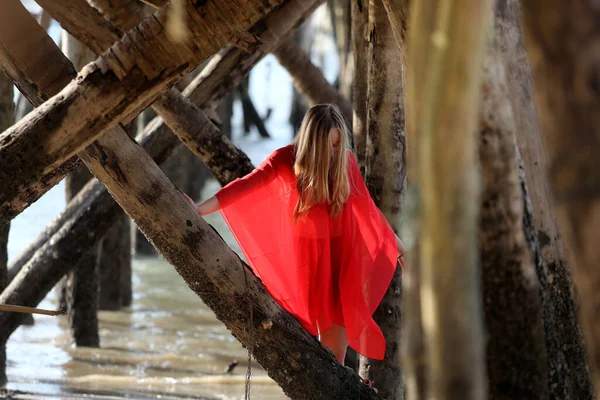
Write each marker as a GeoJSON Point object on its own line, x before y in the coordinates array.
{"type": "Point", "coordinates": [121, 82]}
{"type": "Point", "coordinates": [221, 75]}
{"type": "Point", "coordinates": [226, 70]}
{"type": "Point", "coordinates": [562, 43]}
{"type": "Point", "coordinates": [308, 78]}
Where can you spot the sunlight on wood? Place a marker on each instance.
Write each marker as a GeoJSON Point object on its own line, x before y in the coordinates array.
{"type": "Point", "coordinates": [176, 25]}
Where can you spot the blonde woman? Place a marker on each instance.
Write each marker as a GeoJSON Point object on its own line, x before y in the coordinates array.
{"type": "Point", "coordinates": [310, 231]}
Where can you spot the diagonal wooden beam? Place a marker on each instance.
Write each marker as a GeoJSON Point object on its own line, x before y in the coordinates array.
{"type": "Point", "coordinates": [308, 78]}
{"type": "Point", "coordinates": [221, 75]}
{"type": "Point", "coordinates": [124, 80]}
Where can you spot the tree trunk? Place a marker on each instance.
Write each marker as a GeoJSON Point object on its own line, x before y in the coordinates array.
{"type": "Point", "coordinates": [308, 79]}
{"type": "Point", "coordinates": [562, 45]}
{"type": "Point", "coordinates": [529, 138]}
{"type": "Point", "coordinates": [341, 23]}
{"type": "Point", "coordinates": [445, 129]}
{"type": "Point", "coordinates": [385, 176]}
{"type": "Point", "coordinates": [116, 86]}
{"type": "Point", "coordinates": [360, 14]}
{"type": "Point", "coordinates": [7, 112]}
{"type": "Point", "coordinates": [517, 362]}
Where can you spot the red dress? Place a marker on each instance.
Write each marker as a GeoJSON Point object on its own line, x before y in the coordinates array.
{"type": "Point", "coordinates": [321, 269]}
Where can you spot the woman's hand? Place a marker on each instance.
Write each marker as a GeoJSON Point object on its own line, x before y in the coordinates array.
{"type": "Point", "coordinates": [401, 251]}
{"type": "Point", "coordinates": [209, 206]}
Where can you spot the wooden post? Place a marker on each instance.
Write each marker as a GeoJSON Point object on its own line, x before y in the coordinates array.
{"type": "Point", "coordinates": [517, 362]}
{"type": "Point", "coordinates": [360, 13]}
{"type": "Point", "coordinates": [562, 46]}
{"type": "Point", "coordinates": [341, 24]}
{"type": "Point", "coordinates": [80, 289]}
{"type": "Point", "coordinates": [530, 140]}
{"type": "Point", "coordinates": [452, 35]}
{"type": "Point", "coordinates": [385, 176]}
{"type": "Point", "coordinates": [7, 112]}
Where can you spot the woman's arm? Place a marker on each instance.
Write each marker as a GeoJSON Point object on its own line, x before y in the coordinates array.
{"type": "Point", "coordinates": [401, 250]}
{"type": "Point", "coordinates": [206, 207]}
{"type": "Point", "coordinates": [240, 187]}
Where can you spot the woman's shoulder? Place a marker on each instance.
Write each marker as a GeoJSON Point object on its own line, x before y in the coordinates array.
{"type": "Point", "coordinates": [283, 154]}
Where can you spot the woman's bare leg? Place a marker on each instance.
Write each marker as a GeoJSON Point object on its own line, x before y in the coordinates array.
{"type": "Point", "coordinates": [335, 339]}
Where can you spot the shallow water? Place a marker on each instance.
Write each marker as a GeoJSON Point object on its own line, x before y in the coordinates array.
{"type": "Point", "coordinates": [168, 344]}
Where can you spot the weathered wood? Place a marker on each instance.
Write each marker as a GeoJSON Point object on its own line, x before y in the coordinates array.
{"type": "Point", "coordinates": [412, 345]}
{"type": "Point", "coordinates": [201, 136]}
{"type": "Point", "coordinates": [360, 14]}
{"type": "Point", "coordinates": [123, 14]}
{"type": "Point", "coordinates": [220, 76]}
{"type": "Point", "coordinates": [80, 291]}
{"type": "Point", "coordinates": [341, 15]}
{"type": "Point", "coordinates": [303, 36]}
{"type": "Point", "coordinates": [118, 84]}
{"type": "Point", "coordinates": [285, 334]}
{"type": "Point", "coordinates": [397, 11]}
{"type": "Point", "coordinates": [225, 72]}
{"type": "Point", "coordinates": [445, 130]}
{"type": "Point", "coordinates": [562, 45]}
{"type": "Point", "coordinates": [7, 112]}
{"type": "Point", "coordinates": [385, 176]}
{"type": "Point", "coordinates": [535, 161]}
{"type": "Point", "coordinates": [82, 300]}
{"type": "Point", "coordinates": [200, 256]}
{"type": "Point", "coordinates": [308, 79]}
{"type": "Point", "coordinates": [215, 273]}
{"type": "Point", "coordinates": [517, 363]}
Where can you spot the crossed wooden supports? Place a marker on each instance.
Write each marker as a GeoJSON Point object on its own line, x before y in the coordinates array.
{"type": "Point", "coordinates": [83, 119]}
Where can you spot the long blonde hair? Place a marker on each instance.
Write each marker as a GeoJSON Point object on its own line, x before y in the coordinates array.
{"type": "Point", "coordinates": [321, 176]}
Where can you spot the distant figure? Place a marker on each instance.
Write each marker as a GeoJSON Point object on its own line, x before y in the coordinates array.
{"type": "Point", "coordinates": [311, 232]}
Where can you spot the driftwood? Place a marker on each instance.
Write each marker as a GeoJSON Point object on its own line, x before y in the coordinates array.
{"type": "Point", "coordinates": [385, 176]}
{"type": "Point", "coordinates": [562, 47]}
{"type": "Point", "coordinates": [308, 79]}
{"type": "Point", "coordinates": [445, 127]}
{"type": "Point", "coordinates": [117, 86]}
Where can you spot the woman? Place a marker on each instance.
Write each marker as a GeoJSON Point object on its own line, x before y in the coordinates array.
{"type": "Point", "coordinates": [311, 232]}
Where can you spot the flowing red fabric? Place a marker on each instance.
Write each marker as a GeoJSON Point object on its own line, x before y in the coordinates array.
{"type": "Point", "coordinates": [321, 269]}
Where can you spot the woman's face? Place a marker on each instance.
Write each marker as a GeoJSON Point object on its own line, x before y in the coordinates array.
{"type": "Point", "coordinates": [334, 141]}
